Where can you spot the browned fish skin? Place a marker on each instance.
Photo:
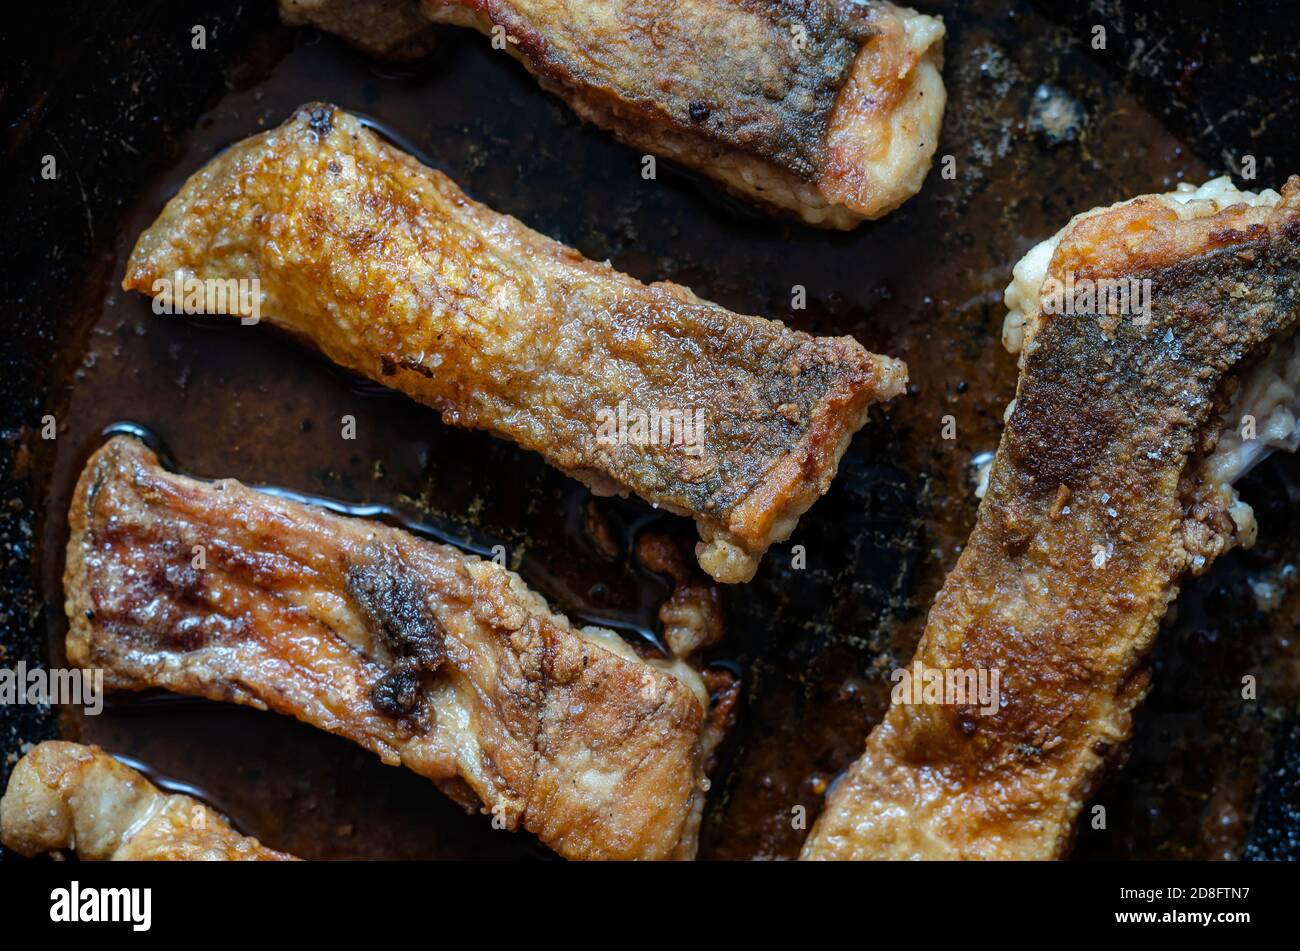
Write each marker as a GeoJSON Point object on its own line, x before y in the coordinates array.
{"type": "Point", "coordinates": [773, 100]}
{"type": "Point", "coordinates": [1065, 599]}
{"type": "Point", "coordinates": [65, 796]}
{"type": "Point", "coordinates": [381, 28]}
{"type": "Point", "coordinates": [827, 108]}
{"type": "Point", "coordinates": [390, 270]}
{"type": "Point", "coordinates": [220, 591]}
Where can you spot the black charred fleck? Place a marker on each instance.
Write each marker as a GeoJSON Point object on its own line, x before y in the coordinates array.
{"type": "Point", "coordinates": [699, 110]}
{"type": "Point", "coordinates": [321, 121]}
{"type": "Point", "coordinates": [418, 367]}
{"type": "Point", "coordinates": [392, 600]}
{"type": "Point", "coordinates": [397, 693]}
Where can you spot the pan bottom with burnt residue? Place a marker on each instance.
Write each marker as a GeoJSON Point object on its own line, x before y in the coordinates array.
{"type": "Point", "coordinates": [1039, 125]}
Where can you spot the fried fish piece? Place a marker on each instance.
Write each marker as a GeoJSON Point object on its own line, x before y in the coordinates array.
{"type": "Point", "coordinates": [829, 109]}
{"type": "Point", "coordinates": [1112, 482]}
{"type": "Point", "coordinates": [390, 270]}
{"type": "Point", "coordinates": [430, 658]}
{"type": "Point", "coordinates": [68, 796]}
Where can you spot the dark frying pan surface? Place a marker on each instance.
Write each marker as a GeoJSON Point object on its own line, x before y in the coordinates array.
{"type": "Point", "coordinates": [129, 109]}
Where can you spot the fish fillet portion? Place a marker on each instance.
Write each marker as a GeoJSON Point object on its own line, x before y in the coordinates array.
{"type": "Point", "coordinates": [431, 659]}
{"type": "Point", "coordinates": [1107, 489]}
{"type": "Point", "coordinates": [829, 109]}
{"type": "Point", "coordinates": [68, 796]}
{"type": "Point", "coordinates": [388, 268]}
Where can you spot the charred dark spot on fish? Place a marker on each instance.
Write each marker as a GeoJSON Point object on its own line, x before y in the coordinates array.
{"type": "Point", "coordinates": [388, 366]}
{"type": "Point", "coordinates": [417, 367]}
{"type": "Point", "coordinates": [1056, 437]}
{"type": "Point", "coordinates": [321, 121]}
{"type": "Point", "coordinates": [397, 693]}
{"type": "Point", "coordinates": [699, 110]}
{"type": "Point", "coordinates": [392, 601]}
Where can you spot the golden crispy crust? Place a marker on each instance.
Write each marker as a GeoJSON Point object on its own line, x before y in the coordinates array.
{"type": "Point", "coordinates": [1089, 523]}
{"type": "Point", "coordinates": [390, 270]}
{"type": "Point", "coordinates": [828, 109]}
{"type": "Point", "coordinates": [68, 796]}
{"type": "Point", "coordinates": [332, 620]}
